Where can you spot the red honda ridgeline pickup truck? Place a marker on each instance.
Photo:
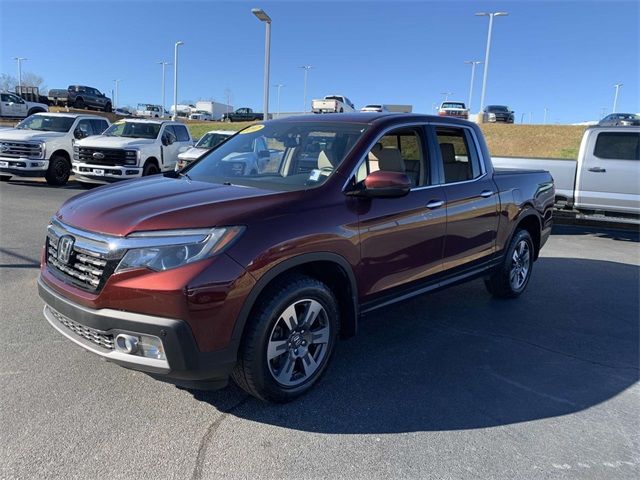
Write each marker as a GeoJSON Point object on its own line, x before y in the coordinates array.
{"type": "Point", "coordinates": [214, 271]}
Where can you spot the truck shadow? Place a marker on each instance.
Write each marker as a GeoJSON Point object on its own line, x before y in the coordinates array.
{"type": "Point", "coordinates": [459, 359]}
{"type": "Point", "coordinates": [630, 234]}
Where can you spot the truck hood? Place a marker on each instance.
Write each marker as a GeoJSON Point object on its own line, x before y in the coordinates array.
{"type": "Point", "coordinates": [166, 203]}
{"type": "Point", "coordinates": [193, 153]}
{"type": "Point", "coordinates": [29, 135]}
{"type": "Point", "coordinates": [103, 141]}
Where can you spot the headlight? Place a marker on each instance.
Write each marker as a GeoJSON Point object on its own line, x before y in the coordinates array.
{"type": "Point", "coordinates": [163, 250]}
{"type": "Point", "coordinates": [43, 148]}
{"type": "Point", "coordinates": [131, 157]}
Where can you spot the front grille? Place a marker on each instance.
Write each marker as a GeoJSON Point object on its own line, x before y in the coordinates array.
{"type": "Point", "coordinates": [97, 337]}
{"type": "Point", "coordinates": [20, 149]}
{"type": "Point", "coordinates": [112, 156]}
{"type": "Point", "coordinates": [83, 269]}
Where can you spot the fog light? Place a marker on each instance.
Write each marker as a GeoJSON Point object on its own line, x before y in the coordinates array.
{"type": "Point", "coordinates": [140, 345]}
{"type": "Point", "coordinates": [127, 343]}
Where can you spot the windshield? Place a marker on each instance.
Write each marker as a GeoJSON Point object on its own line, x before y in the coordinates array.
{"type": "Point", "coordinates": [211, 140]}
{"type": "Point", "coordinates": [133, 130]}
{"type": "Point", "coordinates": [452, 105]}
{"type": "Point", "coordinates": [280, 156]}
{"type": "Point", "coordinates": [497, 108]}
{"type": "Point", "coordinates": [46, 124]}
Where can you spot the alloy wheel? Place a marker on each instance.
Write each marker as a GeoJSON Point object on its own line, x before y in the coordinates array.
{"type": "Point", "coordinates": [520, 265]}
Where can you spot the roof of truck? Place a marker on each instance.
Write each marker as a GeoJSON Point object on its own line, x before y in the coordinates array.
{"type": "Point", "coordinates": [71, 115]}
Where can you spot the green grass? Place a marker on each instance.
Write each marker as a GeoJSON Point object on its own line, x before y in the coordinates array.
{"type": "Point", "coordinates": [541, 141]}
{"type": "Point", "coordinates": [200, 128]}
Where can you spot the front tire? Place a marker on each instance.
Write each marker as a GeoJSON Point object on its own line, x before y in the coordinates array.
{"type": "Point", "coordinates": [150, 168]}
{"type": "Point", "coordinates": [513, 275]}
{"type": "Point", "coordinates": [290, 338]}
{"type": "Point", "coordinates": [58, 172]}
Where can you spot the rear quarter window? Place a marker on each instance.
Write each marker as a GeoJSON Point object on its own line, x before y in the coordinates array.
{"type": "Point", "coordinates": [618, 146]}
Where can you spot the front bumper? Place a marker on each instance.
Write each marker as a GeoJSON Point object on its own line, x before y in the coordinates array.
{"type": "Point", "coordinates": [23, 166]}
{"type": "Point", "coordinates": [184, 365]}
{"type": "Point", "coordinates": [85, 172]}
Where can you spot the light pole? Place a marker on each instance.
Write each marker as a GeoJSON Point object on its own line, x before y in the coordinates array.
{"type": "Point", "coordinates": [175, 81]}
{"type": "Point", "coordinates": [615, 98]}
{"type": "Point", "coordinates": [446, 95]}
{"type": "Point", "coordinates": [20, 60]}
{"type": "Point", "coordinates": [115, 98]}
{"type": "Point", "coordinates": [546, 110]}
{"type": "Point", "coordinates": [306, 71]}
{"type": "Point", "coordinates": [486, 55]}
{"type": "Point", "coordinates": [279, 86]}
{"type": "Point", "coordinates": [263, 17]}
{"type": "Point", "coordinates": [164, 65]}
{"type": "Point", "coordinates": [473, 64]}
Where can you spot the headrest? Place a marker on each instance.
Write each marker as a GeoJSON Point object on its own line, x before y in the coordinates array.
{"type": "Point", "coordinates": [324, 161]}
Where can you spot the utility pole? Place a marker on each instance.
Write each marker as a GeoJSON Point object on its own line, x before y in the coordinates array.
{"type": "Point", "coordinates": [473, 64]}
{"type": "Point", "coordinates": [522, 118]}
{"type": "Point", "coordinates": [263, 17]}
{"type": "Point", "coordinates": [279, 86]}
{"type": "Point", "coordinates": [306, 71]}
{"type": "Point", "coordinates": [20, 60]}
{"type": "Point", "coordinates": [488, 49]}
{"type": "Point", "coordinates": [115, 99]}
{"type": "Point", "coordinates": [546, 110]}
{"type": "Point", "coordinates": [164, 64]}
{"type": "Point", "coordinates": [531, 117]}
{"type": "Point", "coordinates": [175, 80]}
{"type": "Point", "coordinates": [615, 98]}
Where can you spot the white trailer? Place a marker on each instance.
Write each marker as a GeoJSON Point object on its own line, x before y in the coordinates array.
{"type": "Point", "coordinates": [215, 109]}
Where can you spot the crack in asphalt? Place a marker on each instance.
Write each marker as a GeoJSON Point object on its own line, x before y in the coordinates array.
{"type": "Point", "coordinates": [211, 429]}
{"type": "Point", "coordinates": [447, 328]}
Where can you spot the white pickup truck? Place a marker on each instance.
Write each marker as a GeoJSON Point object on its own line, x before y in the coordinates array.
{"type": "Point", "coordinates": [605, 178]}
{"type": "Point", "coordinates": [332, 104]}
{"type": "Point", "coordinates": [42, 145]}
{"type": "Point", "coordinates": [128, 149]}
{"type": "Point", "coordinates": [13, 106]}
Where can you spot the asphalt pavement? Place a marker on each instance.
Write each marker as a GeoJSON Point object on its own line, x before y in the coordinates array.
{"type": "Point", "coordinates": [453, 385]}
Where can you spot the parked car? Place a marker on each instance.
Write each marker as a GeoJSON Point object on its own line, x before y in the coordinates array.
{"type": "Point", "coordinates": [387, 108]}
{"type": "Point", "coordinates": [206, 273]}
{"type": "Point", "coordinates": [128, 149]}
{"type": "Point", "coordinates": [122, 111]}
{"type": "Point", "coordinates": [332, 104]}
{"type": "Point", "coordinates": [242, 115]}
{"type": "Point", "coordinates": [209, 141]}
{"type": "Point", "coordinates": [453, 109]}
{"type": "Point", "coordinates": [147, 110]}
{"type": "Point", "coordinates": [498, 113]}
{"type": "Point", "coordinates": [42, 145]}
{"type": "Point", "coordinates": [201, 115]}
{"type": "Point", "coordinates": [80, 96]}
{"type": "Point", "coordinates": [605, 178]}
{"type": "Point", "coordinates": [13, 106]}
{"type": "Point", "coordinates": [620, 119]}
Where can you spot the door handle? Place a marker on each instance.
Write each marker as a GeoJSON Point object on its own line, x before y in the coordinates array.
{"type": "Point", "coordinates": [435, 204]}
{"type": "Point", "coordinates": [597, 169]}
{"type": "Point", "coordinates": [486, 193]}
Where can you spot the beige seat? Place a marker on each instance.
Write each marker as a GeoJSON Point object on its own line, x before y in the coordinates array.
{"type": "Point", "coordinates": [454, 171]}
{"type": "Point", "coordinates": [388, 159]}
{"type": "Point", "coordinates": [324, 162]}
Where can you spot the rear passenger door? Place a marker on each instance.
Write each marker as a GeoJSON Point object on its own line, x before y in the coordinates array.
{"type": "Point", "coordinates": [401, 239]}
{"type": "Point", "coordinates": [609, 177]}
{"type": "Point", "coordinates": [471, 198]}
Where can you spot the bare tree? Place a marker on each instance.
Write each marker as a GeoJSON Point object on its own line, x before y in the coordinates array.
{"type": "Point", "coordinates": [29, 79]}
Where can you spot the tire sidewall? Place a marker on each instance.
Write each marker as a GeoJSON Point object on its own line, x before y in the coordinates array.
{"type": "Point", "coordinates": [261, 374]}
{"type": "Point", "coordinates": [51, 176]}
{"type": "Point", "coordinates": [149, 166]}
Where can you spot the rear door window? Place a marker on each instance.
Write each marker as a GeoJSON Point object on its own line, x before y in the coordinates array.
{"type": "Point", "coordinates": [618, 146]}
{"type": "Point", "coordinates": [460, 160]}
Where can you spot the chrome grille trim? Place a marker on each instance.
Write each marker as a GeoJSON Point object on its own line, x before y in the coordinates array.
{"type": "Point", "coordinates": [20, 149]}
{"type": "Point", "coordinates": [96, 337]}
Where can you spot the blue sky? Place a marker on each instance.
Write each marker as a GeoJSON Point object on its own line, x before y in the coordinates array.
{"type": "Point", "coordinates": [565, 55]}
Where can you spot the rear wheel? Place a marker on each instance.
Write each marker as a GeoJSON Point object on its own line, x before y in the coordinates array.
{"type": "Point", "coordinates": [107, 107]}
{"type": "Point", "coordinates": [512, 277]}
{"type": "Point", "coordinates": [289, 340]}
{"type": "Point", "coordinates": [150, 168]}
{"type": "Point", "coordinates": [79, 103]}
{"type": "Point", "coordinates": [58, 172]}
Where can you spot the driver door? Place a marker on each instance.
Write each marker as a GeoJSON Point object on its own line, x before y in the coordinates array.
{"type": "Point", "coordinates": [170, 152]}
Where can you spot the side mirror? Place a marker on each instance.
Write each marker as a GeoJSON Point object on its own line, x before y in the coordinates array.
{"type": "Point", "coordinates": [79, 134]}
{"type": "Point", "coordinates": [383, 184]}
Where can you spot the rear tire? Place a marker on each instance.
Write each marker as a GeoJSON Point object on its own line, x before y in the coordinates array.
{"type": "Point", "coordinates": [79, 103]}
{"type": "Point", "coordinates": [511, 278]}
{"type": "Point", "coordinates": [150, 168]}
{"type": "Point", "coordinates": [58, 172]}
{"type": "Point", "coordinates": [107, 108]}
{"type": "Point", "coordinates": [285, 351]}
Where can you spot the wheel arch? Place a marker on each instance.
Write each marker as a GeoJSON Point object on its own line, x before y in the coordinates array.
{"type": "Point", "coordinates": [329, 268]}
{"type": "Point", "coordinates": [530, 221]}
{"type": "Point", "coordinates": [63, 153]}
{"type": "Point", "coordinates": [33, 110]}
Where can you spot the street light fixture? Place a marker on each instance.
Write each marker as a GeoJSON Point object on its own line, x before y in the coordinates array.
{"type": "Point", "coordinates": [175, 80]}
{"type": "Point", "coordinates": [20, 60]}
{"type": "Point", "coordinates": [473, 64]}
{"type": "Point", "coordinates": [306, 71]}
{"type": "Point", "coordinates": [615, 98]}
{"type": "Point", "coordinates": [263, 17]}
{"type": "Point", "coordinates": [164, 65]}
{"type": "Point", "coordinates": [488, 49]}
{"type": "Point", "coordinates": [279, 86]}
{"type": "Point", "coordinates": [115, 98]}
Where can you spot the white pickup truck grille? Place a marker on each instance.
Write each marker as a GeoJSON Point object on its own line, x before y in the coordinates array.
{"type": "Point", "coordinates": [20, 149]}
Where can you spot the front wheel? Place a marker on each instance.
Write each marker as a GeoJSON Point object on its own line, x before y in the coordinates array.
{"type": "Point", "coordinates": [289, 340]}
{"type": "Point", "coordinates": [58, 172]}
{"type": "Point", "coordinates": [150, 169]}
{"type": "Point", "coordinates": [512, 277]}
